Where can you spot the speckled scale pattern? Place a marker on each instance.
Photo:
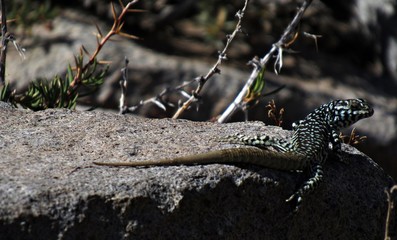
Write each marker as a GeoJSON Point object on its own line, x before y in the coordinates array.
{"type": "Point", "coordinates": [312, 137]}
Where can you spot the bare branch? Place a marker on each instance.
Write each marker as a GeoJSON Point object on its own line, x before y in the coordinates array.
{"type": "Point", "coordinates": [314, 37]}
{"type": "Point", "coordinates": [101, 40]}
{"type": "Point", "coordinates": [215, 69]}
{"type": "Point", "coordinates": [123, 84]}
{"type": "Point", "coordinates": [390, 207]}
{"type": "Point", "coordinates": [284, 42]}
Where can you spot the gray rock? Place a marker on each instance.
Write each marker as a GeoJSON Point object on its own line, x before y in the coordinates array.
{"type": "Point", "coordinates": [5, 105]}
{"type": "Point", "coordinates": [49, 188]}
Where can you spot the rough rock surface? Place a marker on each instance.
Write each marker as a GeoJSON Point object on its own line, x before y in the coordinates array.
{"type": "Point", "coordinates": [49, 188]}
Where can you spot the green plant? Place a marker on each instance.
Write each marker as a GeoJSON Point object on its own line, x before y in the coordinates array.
{"type": "Point", "coordinates": [81, 79]}
{"type": "Point", "coordinates": [56, 93]}
{"type": "Point", "coordinates": [5, 92]}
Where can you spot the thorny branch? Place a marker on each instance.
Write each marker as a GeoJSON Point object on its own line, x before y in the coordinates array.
{"type": "Point", "coordinates": [288, 37]}
{"type": "Point", "coordinates": [62, 92]}
{"type": "Point", "coordinates": [201, 80]}
{"type": "Point", "coordinates": [214, 70]}
{"type": "Point", "coordinates": [118, 22]}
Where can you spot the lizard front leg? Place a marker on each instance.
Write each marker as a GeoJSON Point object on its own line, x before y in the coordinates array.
{"type": "Point", "coordinates": [337, 146]}
{"type": "Point", "coordinates": [308, 186]}
{"type": "Point", "coordinates": [295, 125]}
{"type": "Point", "coordinates": [335, 142]}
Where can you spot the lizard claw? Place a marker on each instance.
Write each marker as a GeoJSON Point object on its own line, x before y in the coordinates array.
{"type": "Point", "coordinates": [298, 201]}
{"type": "Point", "coordinates": [290, 198]}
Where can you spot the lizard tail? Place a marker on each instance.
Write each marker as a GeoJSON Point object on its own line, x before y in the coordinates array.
{"type": "Point", "coordinates": [256, 156]}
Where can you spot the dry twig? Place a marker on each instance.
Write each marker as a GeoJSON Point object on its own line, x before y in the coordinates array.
{"type": "Point", "coordinates": [353, 138]}
{"type": "Point", "coordinates": [289, 36]}
{"type": "Point", "coordinates": [118, 23]}
{"type": "Point", "coordinates": [194, 96]}
{"type": "Point", "coordinates": [215, 69]}
{"type": "Point", "coordinates": [274, 114]}
{"type": "Point", "coordinates": [390, 207]}
{"type": "Point", "coordinates": [123, 84]}
{"type": "Point", "coordinates": [123, 108]}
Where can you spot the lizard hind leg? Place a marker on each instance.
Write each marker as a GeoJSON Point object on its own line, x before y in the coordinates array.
{"type": "Point", "coordinates": [263, 141]}
{"type": "Point", "coordinates": [308, 186]}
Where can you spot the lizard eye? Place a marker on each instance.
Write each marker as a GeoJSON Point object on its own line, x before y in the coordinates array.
{"type": "Point", "coordinates": [343, 104]}
{"type": "Point", "coordinates": [358, 104]}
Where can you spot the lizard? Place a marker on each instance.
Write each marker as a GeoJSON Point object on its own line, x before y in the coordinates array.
{"type": "Point", "coordinates": [313, 138]}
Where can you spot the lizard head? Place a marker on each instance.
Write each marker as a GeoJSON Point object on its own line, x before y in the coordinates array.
{"type": "Point", "coordinates": [346, 112]}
